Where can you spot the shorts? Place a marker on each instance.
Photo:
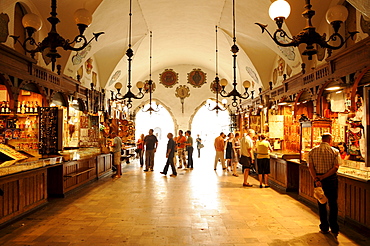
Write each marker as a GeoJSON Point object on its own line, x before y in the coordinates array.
{"type": "Point", "coordinates": [117, 158]}
{"type": "Point", "coordinates": [263, 166]}
{"type": "Point", "coordinates": [245, 161]}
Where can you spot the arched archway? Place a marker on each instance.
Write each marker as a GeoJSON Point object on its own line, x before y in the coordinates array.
{"type": "Point", "coordinates": [209, 124]}
{"type": "Point", "coordinates": [162, 122]}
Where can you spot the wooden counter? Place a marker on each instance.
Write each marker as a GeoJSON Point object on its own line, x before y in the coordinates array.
{"type": "Point", "coordinates": [71, 175]}
{"type": "Point", "coordinates": [284, 174]}
{"type": "Point", "coordinates": [353, 198]}
{"type": "Point", "coordinates": [22, 193]}
{"type": "Point", "coordinates": [104, 165]}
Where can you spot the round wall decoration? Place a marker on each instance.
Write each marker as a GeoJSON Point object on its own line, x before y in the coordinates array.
{"type": "Point", "coordinates": [214, 88]}
{"type": "Point", "coordinates": [182, 91]}
{"type": "Point", "coordinates": [168, 78]}
{"type": "Point", "coordinates": [146, 86]}
{"type": "Point", "coordinates": [197, 78]}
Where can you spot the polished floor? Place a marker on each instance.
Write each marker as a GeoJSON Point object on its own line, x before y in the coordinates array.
{"type": "Point", "coordinates": [198, 207]}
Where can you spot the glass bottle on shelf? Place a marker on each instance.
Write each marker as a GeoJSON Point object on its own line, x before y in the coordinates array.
{"type": "Point", "coordinates": [7, 108]}
{"type": "Point", "coordinates": [19, 110]}
{"type": "Point", "coordinates": [23, 107]}
{"type": "Point", "coordinates": [36, 106]}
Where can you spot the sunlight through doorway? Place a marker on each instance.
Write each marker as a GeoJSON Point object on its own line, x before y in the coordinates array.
{"type": "Point", "coordinates": [161, 122]}
{"type": "Point", "coordinates": [209, 125]}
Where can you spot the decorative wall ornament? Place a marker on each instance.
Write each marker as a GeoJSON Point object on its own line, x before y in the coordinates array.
{"type": "Point", "coordinates": [288, 52]}
{"type": "Point", "coordinates": [274, 76]}
{"type": "Point", "coordinates": [147, 86]}
{"type": "Point", "coordinates": [4, 31]}
{"type": "Point", "coordinates": [94, 78]}
{"type": "Point", "coordinates": [182, 92]}
{"type": "Point", "coordinates": [197, 78]}
{"type": "Point", "coordinates": [115, 77]}
{"type": "Point", "coordinates": [169, 78]}
{"type": "Point", "coordinates": [89, 65]}
{"type": "Point", "coordinates": [281, 66]}
{"type": "Point", "coordinates": [77, 59]}
{"type": "Point", "coordinates": [253, 74]}
{"type": "Point", "coordinates": [215, 87]}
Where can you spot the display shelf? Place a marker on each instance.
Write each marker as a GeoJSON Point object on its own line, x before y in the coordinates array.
{"type": "Point", "coordinates": [311, 132]}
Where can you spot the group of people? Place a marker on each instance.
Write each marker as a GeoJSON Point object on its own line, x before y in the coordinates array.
{"type": "Point", "coordinates": [247, 151]}
{"type": "Point", "coordinates": [181, 144]}
{"type": "Point", "coordinates": [323, 162]}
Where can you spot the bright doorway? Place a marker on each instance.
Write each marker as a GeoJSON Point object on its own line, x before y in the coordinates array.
{"type": "Point", "coordinates": [161, 122]}
{"type": "Point", "coordinates": [209, 125]}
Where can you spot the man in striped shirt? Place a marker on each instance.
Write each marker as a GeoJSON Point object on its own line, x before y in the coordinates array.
{"type": "Point", "coordinates": [323, 165]}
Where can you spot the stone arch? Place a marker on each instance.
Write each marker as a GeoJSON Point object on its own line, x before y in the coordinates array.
{"type": "Point", "coordinates": [202, 104]}
{"type": "Point", "coordinates": [143, 103]}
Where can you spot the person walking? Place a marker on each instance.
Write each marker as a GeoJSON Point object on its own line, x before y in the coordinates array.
{"type": "Point", "coordinates": [229, 150]}
{"type": "Point", "coordinates": [180, 143]}
{"type": "Point", "coordinates": [247, 156]}
{"type": "Point", "coordinates": [235, 154]}
{"type": "Point", "coordinates": [323, 165]}
{"type": "Point", "coordinates": [263, 150]}
{"type": "Point", "coordinates": [199, 144]}
{"type": "Point", "coordinates": [170, 154]}
{"type": "Point", "coordinates": [140, 149]}
{"type": "Point", "coordinates": [220, 147]}
{"type": "Point", "coordinates": [151, 144]}
{"type": "Point", "coordinates": [189, 148]}
{"type": "Point", "coordinates": [117, 147]}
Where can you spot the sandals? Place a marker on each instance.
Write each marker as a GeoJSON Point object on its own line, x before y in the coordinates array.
{"type": "Point", "coordinates": [247, 185]}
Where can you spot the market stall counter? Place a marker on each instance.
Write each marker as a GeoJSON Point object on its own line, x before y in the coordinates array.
{"type": "Point", "coordinates": [23, 183]}
{"type": "Point", "coordinates": [80, 167]}
{"type": "Point", "coordinates": [353, 192]}
{"type": "Point", "coordinates": [284, 171]}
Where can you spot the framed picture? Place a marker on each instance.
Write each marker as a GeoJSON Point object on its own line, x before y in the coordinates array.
{"type": "Point", "coordinates": [197, 78]}
{"type": "Point", "coordinates": [169, 78]}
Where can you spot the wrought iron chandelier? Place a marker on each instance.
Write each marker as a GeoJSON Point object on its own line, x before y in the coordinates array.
{"type": "Point", "coordinates": [150, 81]}
{"type": "Point", "coordinates": [129, 94]}
{"type": "Point", "coordinates": [32, 23]}
{"type": "Point", "coordinates": [217, 84]}
{"type": "Point", "coordinates": [335, 16]}
{"type": "Point", "coordinates": [235, 94]}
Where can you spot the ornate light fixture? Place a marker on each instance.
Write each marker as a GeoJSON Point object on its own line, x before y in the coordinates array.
{"type": "Point", "coordinates": [217, 84]}
{"type": "Point", "coordinates": [246, 84]}
{"type": "Point", "coordinates": [129, 53]}
{"type": "Point", "coordinates": [335, 16]}
{"type": "Point", "coordinates": [32, 23]}
{"type": "Point", "coordinates": [150, 81]}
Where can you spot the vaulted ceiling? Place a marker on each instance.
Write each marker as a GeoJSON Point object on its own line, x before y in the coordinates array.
{"type": "Point", "coordinates": [183, 34]}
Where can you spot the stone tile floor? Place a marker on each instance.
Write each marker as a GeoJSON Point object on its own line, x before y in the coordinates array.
{"type": "Point", "coordinates": [198, 207]}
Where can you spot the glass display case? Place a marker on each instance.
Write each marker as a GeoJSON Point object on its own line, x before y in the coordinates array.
{"type": "Point", "coordinates": [355, 169]}
{"type": "Point", "coordinates": [311, 132]}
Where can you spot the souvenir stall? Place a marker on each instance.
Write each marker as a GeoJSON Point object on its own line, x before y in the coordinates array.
{"type": "Point", "coordinates": [23, 175]}
{"type": "Point", "coordinates": [283, 136]}
{"type": "Point", "coordinates": [125, 129]}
